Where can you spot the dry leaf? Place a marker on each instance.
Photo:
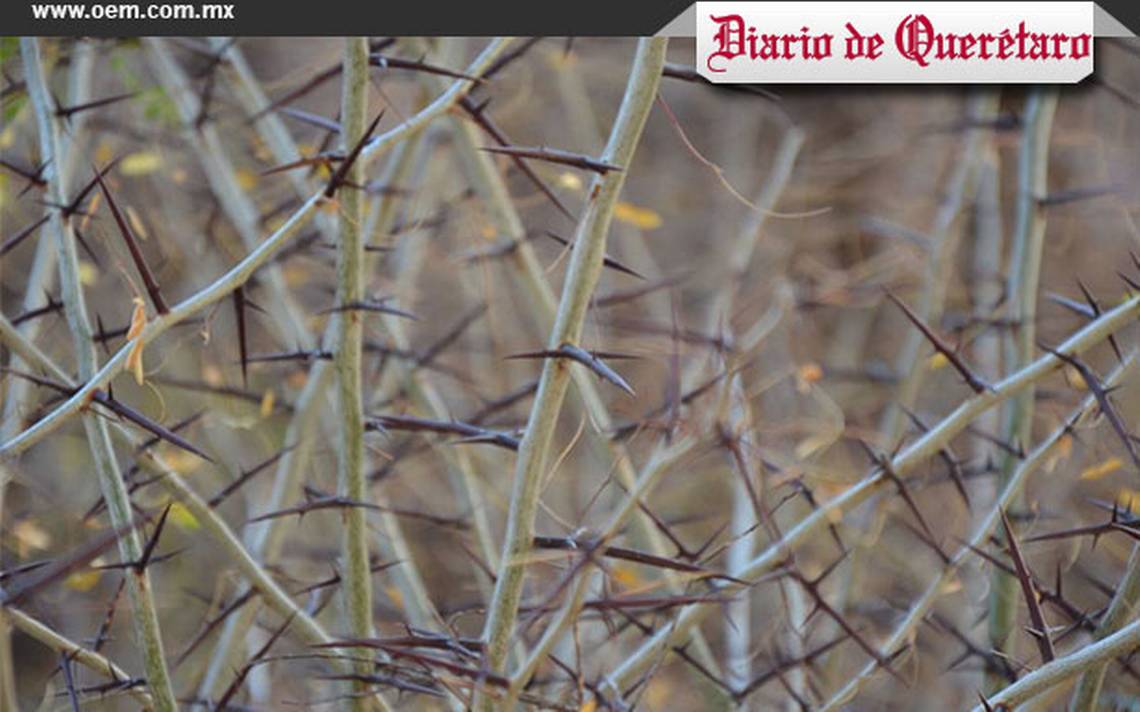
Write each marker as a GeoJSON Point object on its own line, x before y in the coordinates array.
{"type": "Point", "coordinates": [140, 163]}
{"type": "Point", "coordinates": [86, 579]}
{"type": "Point", "coordinates": [134, 358]}
{"type": "Point", "coordinates": [183, 517]}
{"type": "Point", "coordinates": [1095, 472]}
{"type": "Point", "coordinates": [641, 218]}
{"type": "Point", "coordinates": [136, 223]}
{"type": "Point", "coordinates": [626, 576]}
{"type": "Point", "coordinates": [88, 274]}
{"type": "Point", "coordinates": [29, 536]}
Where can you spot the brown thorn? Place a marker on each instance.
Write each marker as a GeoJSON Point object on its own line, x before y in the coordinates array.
{"type": "Point", "coordinates": [132, 245]}
{"type": "Point", "coordinates": [1040, 630]}
{"type": "Point", "coordinates": [973, 380]}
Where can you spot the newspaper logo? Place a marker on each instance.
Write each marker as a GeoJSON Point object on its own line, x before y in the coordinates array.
{"type": "Point", "coordinates": [895, 42]}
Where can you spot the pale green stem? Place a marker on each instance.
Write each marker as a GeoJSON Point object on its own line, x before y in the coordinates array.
{"type": "Point", "coordinates": [380, 219]}
{"type": "Point", "coordinates": [1024, 276]}
{"type": "Point", "coordinates": [581, 278]}
{"type": "Point", "coordinates": [265, 538]}
{"type": "Point", "coordinates": [352, 483]}
{"type": "Point", "coordinates": [144, 615]}
{"type": "Point", "coordinates": [489, 184]}
{"type": "Point", "coordinates": [220, 288]}
{"type": "Point", "coordinates": [41, 277]}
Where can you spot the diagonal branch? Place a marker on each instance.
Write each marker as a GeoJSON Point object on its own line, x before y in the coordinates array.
{"type": "Point", "coordinates": [909, 458]}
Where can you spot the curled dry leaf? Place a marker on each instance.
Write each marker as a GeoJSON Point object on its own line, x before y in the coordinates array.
{"type": "Point", "coordinates": [134, 358]}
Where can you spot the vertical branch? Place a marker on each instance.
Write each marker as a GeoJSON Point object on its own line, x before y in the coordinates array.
{"type": "Point", "coordinates": [144, 615]}
{"type": "Point", "coordinates": [1024, 274]}
{"type": "Point", "coordinates": [582, 276]}
{"type": "Point", "coordinates": [740, 419]}
{"type": "Point", "coordinates": [491, 187]}
{"type": "Point", "coordinates": [347, 354]}
{"type": "Point", "coordinates": [265, 537]}
{"type": "Point", "coordinates": [909, 365]}
{"type": "Point", "coordinates": [987, 286]}
{"type": "Point", "coordinates": [41, 277]}
{"type": "Point", "coordinates": [1121, 610]}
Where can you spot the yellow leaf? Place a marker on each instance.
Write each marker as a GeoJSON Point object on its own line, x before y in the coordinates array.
{"type": "Point", "coordinates": [246, 180]}
{"type": "Point", "coordinates": [104, 153]}
{"type": "Point", "coordinates": [86, 579]}
{"type": "Point", "coordinates": [806, 375]}
{"type": "Point", "coordinates": [140, 163]}
{"type": "Point", "coordinates": [212, 375]}
{"type": "Point", "coordinates": [570, 181]}
{"type": "Point", "coordinates": [1095, 472]}
{"type": "Point", "coordinates": [137, 224]}
{"type": "Point", "coordinates": [138, 318]}
{"type": "Point", "coordinates": [1074, 378]}
{"type": "Point", "coordinates": [134, 358]}
{"type": "Point", "coordinates": [589, 705]}
{"type": "Point", "coordinates": [8, 135]}
{"type": "Point", "coordinates": [92, 208]}
{"type": "Point", "coordinates": [267, 401]}
{"type": "Point", "coordinates": [1065, 446]}
{"type": "Point", "coordinates": [181, 461]}
{"type": "Point", "coordinates": [394, 594]}
{"type": "Point", "coordinates": [1128, 497]}
{"type": "Point", "coordinates": [626, 576]}
{"type": "Point", "coordinates": [297, 379]}
{"type": "Point", "coordinates": [183, 517]}
{"type": "Point", "coordinates": [488, 231]}
{"type": "Point", "coordinates": [641, 218]}
{"type": "Point", "coordinates": [937, 361]}
{"type": "Point", "coordinates": [135, 362]}
{"type": "Point", "coordinates": [88, 274]}
{"type": "Point", "coordinates": [29, 536]}
{"type": "Point", "coordinates": [296, 275]}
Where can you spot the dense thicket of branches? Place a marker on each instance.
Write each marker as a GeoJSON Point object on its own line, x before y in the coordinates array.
{"type": "Point", "coordinates": [476, 373]}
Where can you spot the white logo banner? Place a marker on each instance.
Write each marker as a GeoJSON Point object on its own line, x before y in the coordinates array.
{"type": "Point", "coordinates": [895, 42]}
